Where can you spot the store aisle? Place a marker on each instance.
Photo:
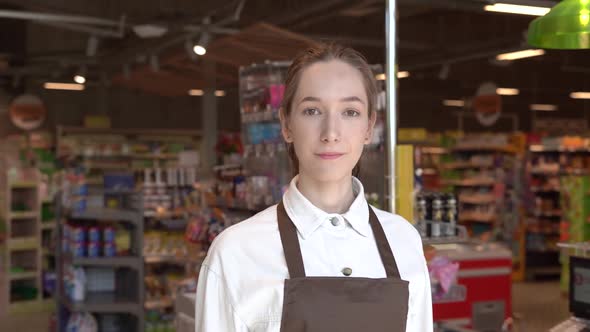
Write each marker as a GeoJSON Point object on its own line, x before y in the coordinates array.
{"type": "Point", "coordinates": [540, 304]}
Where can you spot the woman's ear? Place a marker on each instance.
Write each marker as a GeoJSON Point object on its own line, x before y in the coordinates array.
{"type": "Point", "coordinates": [372, 121]}
{"type": "Point", "coordinates": [285, 126]}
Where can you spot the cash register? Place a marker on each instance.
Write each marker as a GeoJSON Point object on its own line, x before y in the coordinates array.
{"type": "Point", "coordinates": [579, 297]}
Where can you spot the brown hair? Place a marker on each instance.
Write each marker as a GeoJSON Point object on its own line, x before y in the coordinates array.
{"type": "Point", "coordinates": [321, 53]}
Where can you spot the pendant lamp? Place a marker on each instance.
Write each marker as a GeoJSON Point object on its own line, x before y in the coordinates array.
{"type": "Point", "coordinates": [566, 27]}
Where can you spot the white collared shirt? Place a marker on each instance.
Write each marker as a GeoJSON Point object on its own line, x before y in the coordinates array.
{"type": "Point", "coordinates": [241, 281]}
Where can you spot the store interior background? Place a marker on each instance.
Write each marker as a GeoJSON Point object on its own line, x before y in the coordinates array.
{"type": "Point", "coordinates": [447, 46]}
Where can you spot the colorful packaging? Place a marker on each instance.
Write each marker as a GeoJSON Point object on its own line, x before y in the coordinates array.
{"type": "Point", "coordinates": [108, 234]}
{"type": "Point", "coordinates": [78, 234]}
{"type": "Point", "coordinates": [94, 234]}
{"type": "Point", "coordinates": [78, 249]}
{"type": "Point", "coordinates": [109, 250]}
{"type": "Point", "coordinates": [94, 249]}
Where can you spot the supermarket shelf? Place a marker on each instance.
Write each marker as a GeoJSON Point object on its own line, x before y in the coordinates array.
{"type": "Point", "coordinates": [31, 306]}
{"type": "Point", "coordinates": [106, 215]}
{"type": "Point", "coordinates": [482, 148]}
{"type": "Point", "coordinates": [471, 182]}
{"type": "Point", "coordinates": [478, 218]}
{"type": "Point", "coordinates": [477, 199]}
{"type": "Point", "coordinates": [466, 165]}
{"type": "Point", "coordinates": [48, 225]}
{"type": "Point", "coordinates": [23, 185]}
{"type": "Point", "coordinates": [158, 259]}
{"type": "Point", "coordinates": [540, 148]}
{"type": "Point", "coordinates": [25, 243]}
{"type": "Point", "coordinates": [121, 261]}
{"type": "Point", "coordinates": [546, 233]}
{"type": "Point", "coordinates": [163, 303]}
{"type": "Point", "coordinates": [545, 190]}
{"type": "Point", "coordinates": [553, 214]}
{"type": "Point", "coordinates": [544, 172]}
{"type": "Point", "coordinates": [24, 214]}
{"type": "Point", "coordinates": [103, 302]}
{"type": "Point", "coordinates": [115, 131]}
{"type": "Point", "coordinates": [23, 275]}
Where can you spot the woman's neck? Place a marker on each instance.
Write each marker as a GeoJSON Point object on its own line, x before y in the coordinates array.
{"type": "Point", "coordinates": [331, 197]}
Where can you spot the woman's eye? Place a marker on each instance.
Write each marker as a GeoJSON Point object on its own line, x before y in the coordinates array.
{"type": "Point", "coordinates": [352, 113]}
{"type": "Point", "coordinates": [311, 111]}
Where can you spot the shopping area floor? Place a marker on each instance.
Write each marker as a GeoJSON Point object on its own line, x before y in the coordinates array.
{"type": "Point", "coordinates": [540, 305]}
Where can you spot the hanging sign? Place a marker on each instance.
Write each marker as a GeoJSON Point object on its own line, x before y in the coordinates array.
{"type": "Point", "coordinates": [27, 112]}
{"type": "Point", "coordinates": [487, 104]}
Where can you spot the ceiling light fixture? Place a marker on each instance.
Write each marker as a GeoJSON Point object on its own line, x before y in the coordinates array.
{"type": "Point", "coordinates": [201, 47]}
{"type": "Point", "coordinates": [403, 74]}
{"type": "Point", "coordinates": [380, 77]}
{"type": "Point", "coordinates": [507, 91]}
{"type": "Point", "coordinates": [63, 86]}
{"type": "Point", "coordinates": [519, 54]}
{"type": "Point", "coordinates": [517, 9]}
{"type": "Point", "coordinates": [80, 76]}
{"type": "Point", "coordinates": [580, 95]}
{"type": "Point", "coordinates": [454, 103]}
{"type": "Point", "coordinates": [543, 107]}
{"type": "Point", "coordinates": [196, 92]}
{"type": "Point", "coordinates": [219, 93]}
{"type": "Point", "coordinates": [80, 79]}
{"type": "Point", "coordinates": [565, 27]}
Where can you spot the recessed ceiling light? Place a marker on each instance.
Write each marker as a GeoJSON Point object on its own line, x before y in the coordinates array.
{"type": "Point", "coordinates": [403, 74]}
{"type": "Point", "coordinates": [580, 95]}
{"type": "Point", "coordinates": [517, 9]}
{"type": "Point", "coordinates": [63, 86]}
{"type": "Point", "coordinates": [196, 92]}
{"type": "Point", "coordinates": [454, 103]}
{"type": "Point", "coordinates": [219, 93]}
{"type": "Point", "coordinates": [520, 54]}
{"type": "Point", "coordinates": [543, 107]}
{"type": "Point", "coordinates": [507, 91]}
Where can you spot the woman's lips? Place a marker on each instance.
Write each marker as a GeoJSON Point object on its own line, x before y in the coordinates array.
{"type": "Point", "coordinates": [330, 155]}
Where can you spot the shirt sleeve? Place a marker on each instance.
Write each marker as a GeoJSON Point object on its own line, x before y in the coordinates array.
{"type": "Point", "coordinates": [421, 319]}
{"type": "Point", "coordinates": [214, 310]}
{"type": "Point", "coordinates": [424, 319]}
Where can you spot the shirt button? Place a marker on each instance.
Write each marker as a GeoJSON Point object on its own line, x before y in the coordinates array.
{"type": "Point", "coordinates": [335, 221]}
{"type": "Point", "coordinates": [347, 271]}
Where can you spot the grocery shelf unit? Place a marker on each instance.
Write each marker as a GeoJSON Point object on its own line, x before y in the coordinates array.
{"type": "Point", "coordinates": [20, 261]}
{"type": "Point", "coordinates": [102, 150]}
{"type": "Point", "coordinates": [544, 211]}
{"type": "Point", "coordinates": [127, 296]}
{"type": "Point", "coordinates": [487, 181]}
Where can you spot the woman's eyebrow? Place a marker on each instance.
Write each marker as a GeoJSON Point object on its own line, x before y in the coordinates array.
{"type": "Point", "coordinates": [346, 99]}
{"type": "Point", "coordinates": [353, 98]}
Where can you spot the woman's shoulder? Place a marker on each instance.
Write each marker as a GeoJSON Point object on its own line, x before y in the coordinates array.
{"type": "Point", "coordinates": [397, 226]}
{"type": "Point", "coordinates": [244, 238]}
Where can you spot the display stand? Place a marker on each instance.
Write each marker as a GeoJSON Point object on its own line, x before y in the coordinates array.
{"type": "Point", "coordinates": [21, 282]}
{"type": "Point", "coordinates": [114, 289]}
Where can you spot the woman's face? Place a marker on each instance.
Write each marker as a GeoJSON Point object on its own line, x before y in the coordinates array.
{"type": "Point", "coordinates": [329, 121]}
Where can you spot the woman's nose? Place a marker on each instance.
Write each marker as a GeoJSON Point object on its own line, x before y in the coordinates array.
{"type": "Point", "coordinates": [330, 129]}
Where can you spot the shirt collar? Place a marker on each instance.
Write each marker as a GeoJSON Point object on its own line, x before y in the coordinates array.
{"type": "Point", "coordinates": [308, 218]}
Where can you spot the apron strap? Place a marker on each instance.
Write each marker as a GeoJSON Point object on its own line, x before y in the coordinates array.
{"type": "Point", "coordinates": [290, 243]}
{"type": "Point", "coordinates": [383, 246]}
{"type": "Point", "coordinates": [292, 248]}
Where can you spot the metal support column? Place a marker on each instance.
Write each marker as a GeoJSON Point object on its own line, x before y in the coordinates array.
{"type": "Point", "coordinates": [391, 115]}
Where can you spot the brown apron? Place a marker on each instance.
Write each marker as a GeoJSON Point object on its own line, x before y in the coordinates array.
{"type": "Point", "coordinates": [342, 304]}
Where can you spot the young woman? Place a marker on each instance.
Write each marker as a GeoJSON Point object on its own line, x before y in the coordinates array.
{"type": "Point", "coordinates": [321, 260]}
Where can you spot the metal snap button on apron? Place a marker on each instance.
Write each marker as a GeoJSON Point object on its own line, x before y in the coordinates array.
{"type": "Point", "coordinates": [335, 222]}
{"type": "Point", "coordinates": [347, 271]}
